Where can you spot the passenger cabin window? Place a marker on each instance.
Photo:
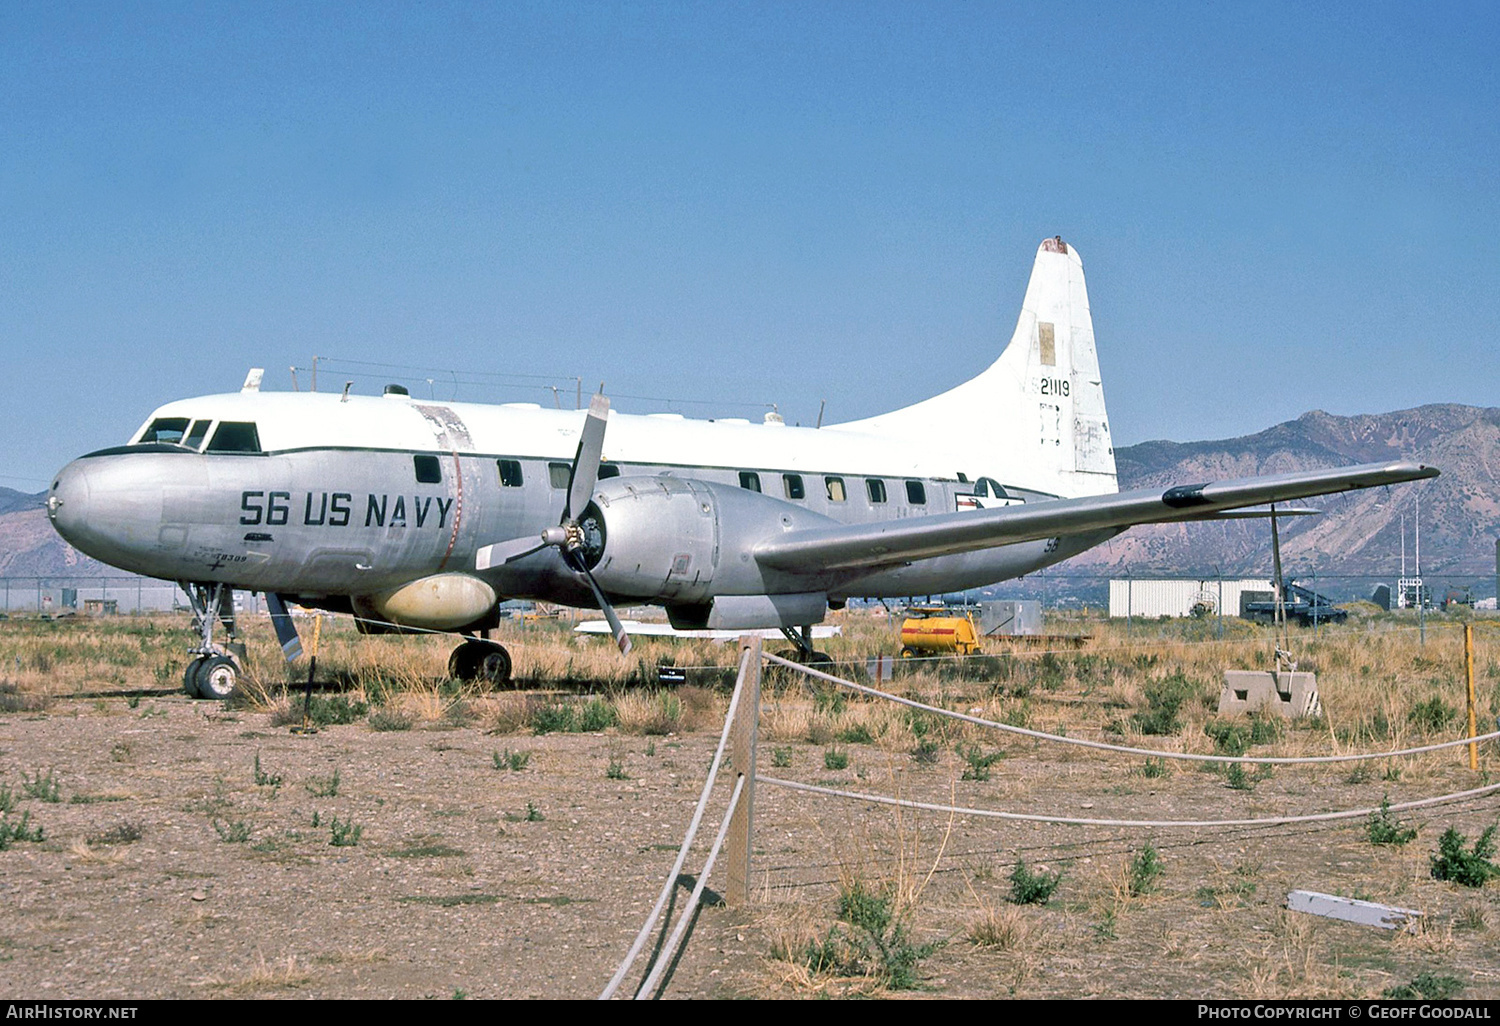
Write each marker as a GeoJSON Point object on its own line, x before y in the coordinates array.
{"type": "Point", "coordinates": [876, 488]}
{"type": "Point", "coordinates": [165, 429]}
{"type": "Point", "coordinates": [429, 470]}
{"type": "Point", "coordinates": [916, 494]}
{"type": "Point", "coordinates": [194, 437]}
{"type": "Point", "coordinates": [608, 470]}
{"type": "Point", "coordinates": [792, 483]}
{"type": "Point", "coordinates": [510, 473]}
{"type": "Point", "coordinates": [558, 474]}
{"type": "Point", "coordinates": [835, 488]}
{"type": "Point", "coordinates": [750, 480]}
{"type": "Point", "coordinates": [235, 436]}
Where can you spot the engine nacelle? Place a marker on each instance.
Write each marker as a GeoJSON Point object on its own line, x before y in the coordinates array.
{"type": "Point", "coordinates": [683, 543]}
{"type": "Point", "coordinates": [440, 602]}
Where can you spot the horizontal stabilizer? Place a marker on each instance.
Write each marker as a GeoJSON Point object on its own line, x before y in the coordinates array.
{"type": "Point", "coordinates": [894, 542]}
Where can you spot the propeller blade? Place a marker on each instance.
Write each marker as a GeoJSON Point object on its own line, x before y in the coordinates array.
{"type": "Point", "coordinates": [586, 461]}
{"type": "Point", "coordinates": [517, 548]}
{"type": "Point", "coordinates": [504, 552]}
{"type": "Point", "coordinates": [286, 630]}
{"type": "Point", "coordinates": [616, 627]}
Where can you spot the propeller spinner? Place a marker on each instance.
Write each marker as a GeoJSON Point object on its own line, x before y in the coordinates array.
{"type": "Point", "coordinates": [567, 536]}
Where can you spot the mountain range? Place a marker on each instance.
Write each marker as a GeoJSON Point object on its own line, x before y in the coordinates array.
{"type": "Point", "coordinates": [1358, 534]}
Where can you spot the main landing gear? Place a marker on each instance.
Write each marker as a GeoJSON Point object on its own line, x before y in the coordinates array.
{"type": "Point", "coordinates": [804, 653]}
{"type": "Point", "coordinates": [480, 660]}
{"type": "Point", "coordinates": [215, 673]}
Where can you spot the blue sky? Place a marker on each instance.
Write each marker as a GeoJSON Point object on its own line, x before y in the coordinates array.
{"type": "Point", "coordinates": [715, 206]}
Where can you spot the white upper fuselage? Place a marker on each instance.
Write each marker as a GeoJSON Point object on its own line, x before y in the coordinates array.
{"type": "Point", "coordinates": [300, 421]}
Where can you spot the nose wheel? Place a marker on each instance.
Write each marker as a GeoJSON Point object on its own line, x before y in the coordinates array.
{"type": "Point", "coordinates": [213, 674]}
{"type": "Point", "coordinates": [212, 677]}
{"type": "Point", "coordinates": [480, 661]}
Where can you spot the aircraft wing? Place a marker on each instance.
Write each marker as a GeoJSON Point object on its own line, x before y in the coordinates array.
{"type": "Point", "coordinates": [893, 542]}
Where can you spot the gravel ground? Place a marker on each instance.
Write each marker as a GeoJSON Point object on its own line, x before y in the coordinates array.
{"type": "Point", "coordinates": [169, 869]}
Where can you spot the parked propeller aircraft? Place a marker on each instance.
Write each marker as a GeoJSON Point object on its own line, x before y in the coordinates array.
{"type": "Point", "coordinates": [414, 514]}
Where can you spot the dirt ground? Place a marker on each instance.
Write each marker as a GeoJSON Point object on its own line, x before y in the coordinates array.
{"type": "Point", "coordinates": [170, 867]}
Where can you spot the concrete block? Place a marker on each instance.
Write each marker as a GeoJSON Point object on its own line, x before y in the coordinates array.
{"type": "Point", "coordinates": [1290, 694]}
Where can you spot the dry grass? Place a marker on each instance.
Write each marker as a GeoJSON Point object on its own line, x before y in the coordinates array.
{"type": "Point", "coordinates": [84, 852]}
{"type": "Point", "coordinates": [263, 976]}
{"type": "Point", "coordinates": [1291, 966]}
{"type": "Point", "coordinates": [1002, 927]}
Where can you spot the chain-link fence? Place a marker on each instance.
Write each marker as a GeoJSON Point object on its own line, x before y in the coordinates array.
{"type": "Point", "coordinates": [100, 596]}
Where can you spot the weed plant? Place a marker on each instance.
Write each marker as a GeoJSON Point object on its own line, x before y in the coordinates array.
{"type": "Point", "coordinates": [1165, 698]}
{"type": "Point", "coordinates": [323, 787]}
{"type": "Point", "coordinates": [1470, 867]}
{"type": "Point", "coordinates": [1425, 986]}
{"type": "Point", "coordinates": [509, 760]}
{"type": "Point", "coordinates": [264, 779]}
{"type": "Point", "coordinates": [42, 788]}
{"type": "Point", "coordinates": [1155, 768]}
{"type": "Point", "coordinates": [883, 937]}
{"type": "Point", "coordinates": [234, 832]}
{"type": "Point", "coordinates": [978, 764]}
{"type": "Point", "coordinates": [925, 752]}
{"type": "Point", "coordinates": [344, 834]}
{"type": "Point", "coordinates": [386, 718]}
{"type": "Point", "coordinates": [1385, 829]}
{"type": "Point", "coordinates": [594, 716]}
{"type": "Point", "coordinates": [835, 759]}
{"type": "Point", "coordinates": [1431, 716]}
{"type": "Point", "coordinates": [1032, 888]}
{"type": "Point", "coordinates": [18, 830]}
{"type": "Point", "coordinates": [1145, 871]}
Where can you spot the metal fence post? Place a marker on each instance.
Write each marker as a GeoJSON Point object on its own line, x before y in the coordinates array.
{"type": "Point", "coordinates": [742, 743]}
{"type": "Point", "coordinates": [1469, 672]}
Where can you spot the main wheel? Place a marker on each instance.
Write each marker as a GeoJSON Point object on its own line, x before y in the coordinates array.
{"type": "Point", "coordinates": [190, 676]}
{"type": "Point", "coordinates": [462, 663]}
{"type": "Point", "coordinates": [480, 661]}
{"type": "Point", "coordinates": [218, 678]}
{"type": "Point", "coordinates": [494, 666]}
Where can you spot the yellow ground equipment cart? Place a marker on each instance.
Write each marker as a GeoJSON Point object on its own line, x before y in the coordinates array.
{"type": "Point", "coordinates": [930, 630]}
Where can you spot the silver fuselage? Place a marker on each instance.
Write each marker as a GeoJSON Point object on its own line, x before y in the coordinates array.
{"type": "Point", "coordinates": [347, 521]}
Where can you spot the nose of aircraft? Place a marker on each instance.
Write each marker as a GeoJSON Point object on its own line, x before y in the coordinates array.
{"type": "Point", "coordinates": [110, 508]}
{"type": "Point", "coordinates": [68, 503]}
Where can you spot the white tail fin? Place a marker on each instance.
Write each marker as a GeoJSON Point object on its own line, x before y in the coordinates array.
{"type": "Point", "coordinates": [1035, 419]}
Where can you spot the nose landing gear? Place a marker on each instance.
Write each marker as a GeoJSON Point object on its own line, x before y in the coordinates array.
{"type": "Point", "coordinates": [215, 673]}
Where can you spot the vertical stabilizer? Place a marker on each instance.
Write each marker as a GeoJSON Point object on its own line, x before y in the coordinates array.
{"type": "Point", "coordinates": [1035, 419]}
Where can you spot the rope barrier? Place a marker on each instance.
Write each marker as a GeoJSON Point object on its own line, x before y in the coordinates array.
{"type": "Point", "coordinates": [1124, 749]}
{"type": "Point", "coordinates": [1133, 823]}
{"type": "Point", "coordinates": [687, 841]}
{"type": "Point", "coordinates": [669, 951]}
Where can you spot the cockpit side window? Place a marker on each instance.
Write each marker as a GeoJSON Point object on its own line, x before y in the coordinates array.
{"type": "Point", "coordinates": [194, 437]}
{"type": "Point", "coordinates": [235, 436]}
{"type": "Point", "coordinates": [165, 429]}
